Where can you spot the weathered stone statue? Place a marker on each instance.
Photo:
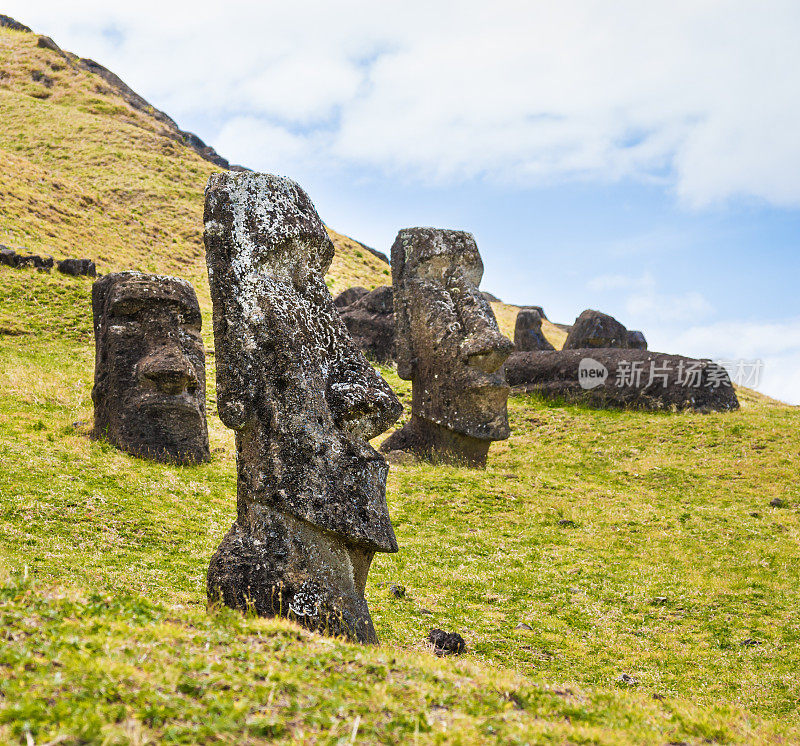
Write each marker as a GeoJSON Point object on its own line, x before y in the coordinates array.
{"type": "Point", "coordinates": [528, 331]}
{"type": "Point", "coordinates": [449, 346]}
{"type": "Point", "coordinates": [303, 402]}
{"type": "Point", "coordinates": [149, 381]}
{"type": "Point", "coordinates": [613, 378]}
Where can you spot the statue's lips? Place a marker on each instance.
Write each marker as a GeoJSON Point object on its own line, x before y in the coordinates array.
{"type": "Point", "coordinates": [183, 403]}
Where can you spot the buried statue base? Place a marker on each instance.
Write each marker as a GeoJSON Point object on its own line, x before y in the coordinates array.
{"type": "Point", "coordinates": [430, 442]}
{"type": "Point", "coordinates": [264, 565]}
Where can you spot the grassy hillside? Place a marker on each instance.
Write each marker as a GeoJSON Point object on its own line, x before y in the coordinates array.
{"type": "Point", "coordinates": [639, 545]}
{"type": "Point", "coordinates": [83, 173]}
{"type": "Point", "coordinates": [658, 582]}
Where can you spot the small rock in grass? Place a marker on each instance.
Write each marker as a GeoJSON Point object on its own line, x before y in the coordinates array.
{"type": "Point", "coordinates": [524, 626]}
{"type": "Point", "coordinates": [399, 458]}
{"type": "Point", "coordinates": [777, 502]}
{"type": "Point", "coordinates": [446, 643]}
{"type": "Point", "coordinates": [398, 591]}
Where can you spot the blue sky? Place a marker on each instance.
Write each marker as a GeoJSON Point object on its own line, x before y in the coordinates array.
{"type": "Point", "coordinates": [639, 158]}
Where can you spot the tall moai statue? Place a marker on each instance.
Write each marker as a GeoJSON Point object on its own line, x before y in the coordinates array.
{"type": "Point", "coordinates": [303, 402]}
{"type": "Point", "coordinates": [449, 346]}
{"type": "Point", "coordinates": [150, 373]}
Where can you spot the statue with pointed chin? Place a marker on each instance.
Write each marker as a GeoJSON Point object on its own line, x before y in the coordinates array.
{"type": "Point", "coordinates": [149, 389]}
{"type": "Point", "coordinates": [303, 402]}
{"type": "Point", "coordinates": [449, 346]}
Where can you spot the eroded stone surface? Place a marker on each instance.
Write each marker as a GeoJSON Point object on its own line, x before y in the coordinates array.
{"type": "Point", "coordinates": [77, 267]}
{"type": "Point", "coordinates": [450, 347]}
{"type": "Point", "coordinates": [303, 402]}
{"type": "Point", "coordinates": [615, 378]}
{"type": "Point", "coordinates": [528, 331]}
{"type": "Point", "coordinates": [594, 329]}
{"type": "Point", "coordinates": [149, 381]}
{"type": "Point", "coordinates": [351, 295]}
{"type": "Point", "coordinates": [370, 321]}
{"type": "Point", "coordinates": [636, 340]}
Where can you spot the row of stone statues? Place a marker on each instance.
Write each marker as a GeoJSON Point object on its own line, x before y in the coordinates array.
{"type": "Point", "coordinates": [301, 397]}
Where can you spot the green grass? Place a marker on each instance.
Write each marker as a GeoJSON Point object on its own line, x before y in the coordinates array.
{"type": "Point", "coordinates": [631, 543]}
{"type": "Point", "coordinates": [659, 585]}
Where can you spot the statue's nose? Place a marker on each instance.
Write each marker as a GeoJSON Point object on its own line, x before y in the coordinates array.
{"type": "Point", "coordinates": [169, 369]}
{"type": "Point", "coordinates": [487, 350]}
{"type": "Point", "coordinates": [484, 346]}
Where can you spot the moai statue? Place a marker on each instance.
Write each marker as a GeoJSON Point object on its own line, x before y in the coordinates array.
{"type": "Point", "coordinates": [449, 346]}
{"type": "Point", "coordinates": [528, 331]}
{"type": "Point", "coordinates": [150, 379]}
{"type": "Point", "coordinates": [303, 402]}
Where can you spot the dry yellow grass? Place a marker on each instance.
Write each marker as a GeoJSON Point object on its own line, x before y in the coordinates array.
{"type": "Point", "coordinates": [82, 173]}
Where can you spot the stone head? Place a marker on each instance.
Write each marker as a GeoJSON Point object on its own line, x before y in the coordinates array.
{"type": "Point", "coordinates": [448, 341]}
{"type": "Point", "coordinates": [301, 397]}
{"type": "Point", "coordinates": [149, 386]}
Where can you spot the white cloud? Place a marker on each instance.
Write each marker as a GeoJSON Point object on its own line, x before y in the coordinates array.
{"type": "Point", "coordinates": [701, 94]}
{"type": "Point", "coordinates": [645, 305]}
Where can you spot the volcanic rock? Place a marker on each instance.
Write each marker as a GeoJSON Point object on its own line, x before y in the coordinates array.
{"type": "Point", "coordinates": [446, 643]}
{"type": "Point", "coordinates": [614, 378]}
{"type": "Point", "coordinates": [303, 402]}
{"type": "Point", "coordinates": [450, 347]}
{"type": "Point", "coordinates": [150, 382]}
{"type": "Point", "coordinates": [77, 267]}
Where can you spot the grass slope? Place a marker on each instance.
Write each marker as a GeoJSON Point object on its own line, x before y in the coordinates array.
{"type": "Point", "coordinates": [659, 585]}
{"type": "Point", "coordinates": [82, 173]}
{"type": "Point", "coordinates": [630, 543]}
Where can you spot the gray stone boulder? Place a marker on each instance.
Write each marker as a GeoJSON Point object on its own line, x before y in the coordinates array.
{"type": "Point", "coordinates": [370, 321]}
{"type": "Point", "coordinates": [77, 267]}
{"type": "Point", "coordinates": [8, 257]}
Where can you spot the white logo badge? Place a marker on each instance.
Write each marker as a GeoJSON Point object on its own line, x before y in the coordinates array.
{"type": "Point", "coordinates": [591, 374]}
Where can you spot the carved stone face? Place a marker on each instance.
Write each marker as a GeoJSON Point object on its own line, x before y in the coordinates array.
{"type": "Point", "coordinates": [303, 401]}
{"type": "Point", "coordinates": [448, 341]}
{"type": "Point", "coordinates": [149, 388]}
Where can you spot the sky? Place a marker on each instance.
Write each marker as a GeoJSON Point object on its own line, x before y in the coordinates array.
{"type": "Point", "coordinates": [640, 158]}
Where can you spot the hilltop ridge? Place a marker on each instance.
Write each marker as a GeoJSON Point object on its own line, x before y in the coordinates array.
{"type": "Point", "coordinates": [88, 167]}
